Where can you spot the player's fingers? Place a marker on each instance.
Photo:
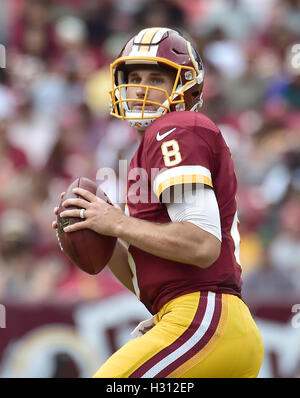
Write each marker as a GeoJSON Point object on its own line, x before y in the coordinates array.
{"type": "Point", "coordinates": [87, 195]}
{"type": "Point", "coordinates": [54, 224]}
{"type": "Point", "coordinates": [55, 210]}
{"type": "Point", "coordinates": [70, 213]}
{"type": "Point", "coordinates": [62, 194]}
{"type": "Point", "coordinates": [76, 202]}
{"type": "Point", "coordinates": [76, 226]}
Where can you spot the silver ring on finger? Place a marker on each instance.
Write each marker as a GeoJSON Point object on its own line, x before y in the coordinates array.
{"type": "Point", "coordinates": [81, 213]}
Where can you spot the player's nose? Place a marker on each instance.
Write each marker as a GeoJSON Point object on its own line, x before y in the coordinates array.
{"type": "Point", "coordinates": [140, 91]}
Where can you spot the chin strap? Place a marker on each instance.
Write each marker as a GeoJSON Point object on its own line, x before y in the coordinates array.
{"type": "Point", "coordinates": [139, 123]}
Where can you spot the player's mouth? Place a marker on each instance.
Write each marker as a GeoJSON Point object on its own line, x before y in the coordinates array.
{"type": "Point", "coordinates": [139, 106]}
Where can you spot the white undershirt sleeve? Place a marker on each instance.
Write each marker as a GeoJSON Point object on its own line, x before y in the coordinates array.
{"type": "Point", "coordinates": [198, 206]}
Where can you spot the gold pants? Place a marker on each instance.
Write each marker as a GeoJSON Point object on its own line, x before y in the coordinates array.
{"type": "Point", "coordinates": [195, 335]}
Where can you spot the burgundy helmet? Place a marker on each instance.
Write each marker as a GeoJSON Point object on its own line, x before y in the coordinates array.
{"type": "Point", "coordinates": [165, 48]}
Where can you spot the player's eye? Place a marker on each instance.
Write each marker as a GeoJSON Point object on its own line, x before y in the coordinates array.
{"type": "Point", "coordinates": [134, 80]}
{"type": "Point", "coordinates": [156, 80]}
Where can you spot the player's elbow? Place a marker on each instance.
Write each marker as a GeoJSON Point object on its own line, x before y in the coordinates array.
{"type": "Point", "coordinates": [207, 252]}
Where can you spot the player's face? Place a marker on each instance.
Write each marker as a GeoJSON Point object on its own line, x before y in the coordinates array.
{"type": "Point", "coordinates": [149, 76]}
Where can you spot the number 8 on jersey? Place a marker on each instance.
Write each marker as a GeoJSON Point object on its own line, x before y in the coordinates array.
{"type": "Point", "coordinates": [171, 153]}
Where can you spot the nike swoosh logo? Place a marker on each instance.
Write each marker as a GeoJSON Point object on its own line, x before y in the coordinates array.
{"type": "Point", "coordinates": [164, 135]}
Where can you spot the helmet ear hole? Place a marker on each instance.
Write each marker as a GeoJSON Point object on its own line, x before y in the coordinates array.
{"type": "Point", "coordinates": [192, 98]}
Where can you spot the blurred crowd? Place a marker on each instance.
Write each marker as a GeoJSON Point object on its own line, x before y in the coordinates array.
{"type": "Point", "coordinates": [55, 126]}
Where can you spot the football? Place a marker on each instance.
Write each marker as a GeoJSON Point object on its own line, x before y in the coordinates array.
{"type": "Point", "coordinates": [87, 249]}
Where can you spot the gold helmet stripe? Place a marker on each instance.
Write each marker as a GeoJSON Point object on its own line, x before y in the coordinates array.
{"type": "Point", "coordinates": [147, 39]}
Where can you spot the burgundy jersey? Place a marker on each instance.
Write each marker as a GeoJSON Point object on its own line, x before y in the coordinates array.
{"type": "Point", "coordinates": [177, 148]}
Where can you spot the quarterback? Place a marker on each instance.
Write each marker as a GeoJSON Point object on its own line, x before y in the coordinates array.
{"type": "Point", "coordinates": [178, 246]}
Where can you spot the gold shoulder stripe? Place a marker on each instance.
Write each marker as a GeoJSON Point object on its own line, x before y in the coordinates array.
{"type": "Point", "coordinates": [184, 179]}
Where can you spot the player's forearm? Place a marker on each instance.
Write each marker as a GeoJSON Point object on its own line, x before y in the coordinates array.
{"type": "Point", "coordinates": [177, 241]}
{"type": "Point", "coordinates": [119, 266]}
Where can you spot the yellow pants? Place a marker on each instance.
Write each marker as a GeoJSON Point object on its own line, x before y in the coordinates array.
{"type": "Point", "coordinates": [195, 335]}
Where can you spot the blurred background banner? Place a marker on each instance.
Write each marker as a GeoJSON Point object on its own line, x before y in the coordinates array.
{"type": "Point", "coordinates": [66, 340]}
{"type": "Point", "coordinates": [55, 126]}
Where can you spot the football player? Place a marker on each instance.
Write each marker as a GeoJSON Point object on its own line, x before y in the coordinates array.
{"type": "Point", "coordinates": [181, 251]}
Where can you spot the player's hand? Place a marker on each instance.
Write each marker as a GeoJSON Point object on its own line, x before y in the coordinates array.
{"type": "Point", "coordinates": [143, 327]}
{"type": "Point", "coordinates": [55, 211]}
{"type": "Point", "coordinates": [99, 215]}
